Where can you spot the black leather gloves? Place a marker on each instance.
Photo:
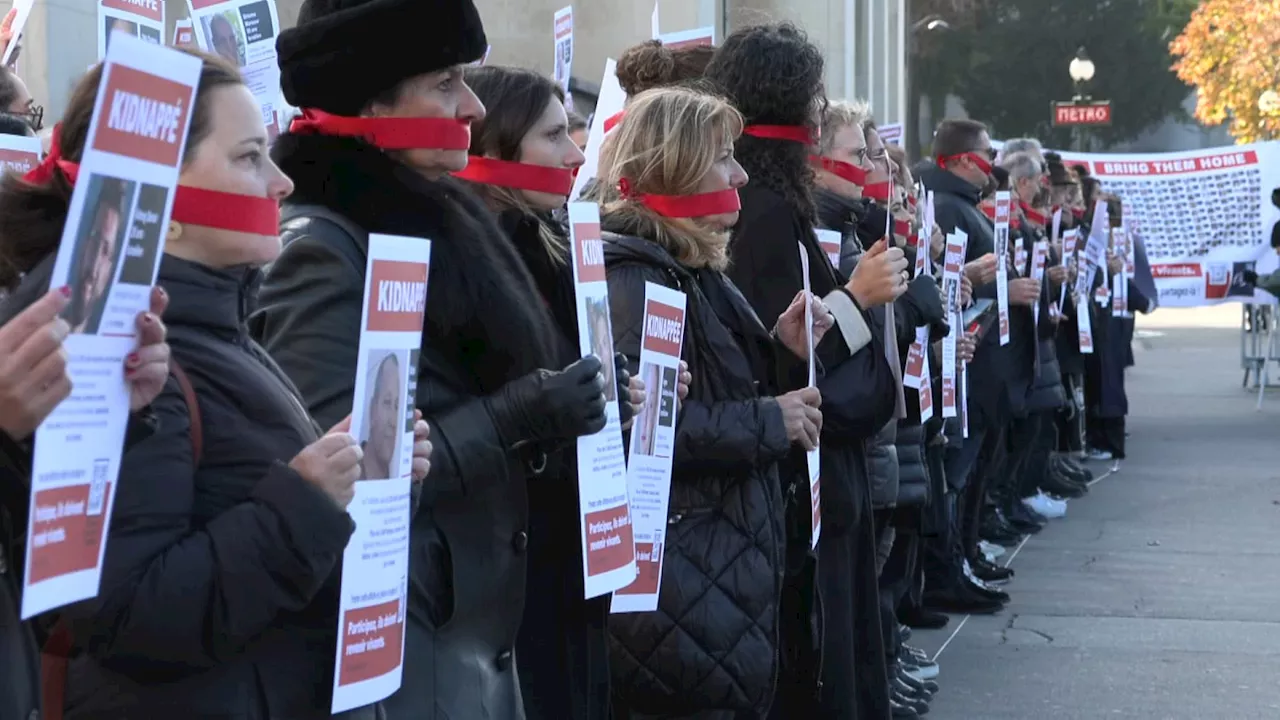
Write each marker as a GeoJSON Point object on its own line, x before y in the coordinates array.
{"type": "Point", "coordinates": [624, 387]}
{"type": "Point", "coordinates": [548, 405]}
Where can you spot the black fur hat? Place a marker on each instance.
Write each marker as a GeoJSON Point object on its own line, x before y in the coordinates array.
{"type": "Point", "coordinates": [344, 53]}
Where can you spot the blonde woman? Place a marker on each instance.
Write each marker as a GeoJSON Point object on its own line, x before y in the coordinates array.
{"type": "Point", "coordinates": [711, 649]}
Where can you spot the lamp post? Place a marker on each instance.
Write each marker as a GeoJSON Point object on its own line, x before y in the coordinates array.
{"type": "Point", "coordinates": [1081, 70]}
{"type": "Point", "coordinates": [911, 128]}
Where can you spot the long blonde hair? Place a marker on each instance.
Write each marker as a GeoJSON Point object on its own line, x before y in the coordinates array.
{"type": "Point", "coordinates": [668, 141]}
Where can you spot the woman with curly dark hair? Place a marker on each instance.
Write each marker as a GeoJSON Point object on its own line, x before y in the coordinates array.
{"type": "Point", "coordinates": [651, 64]}
{"type": "Point", "coordinates": [774, 76]}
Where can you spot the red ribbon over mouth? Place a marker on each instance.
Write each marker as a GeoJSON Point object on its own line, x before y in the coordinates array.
{"type": "Point", "coordinates": [879, 191]}
{"type": "Point", "coordinates": [989, 211]}
{"type": "Point", "coordinates": [843, 170]}
{"type": "Point", "coordinates": [902, 228]}
{"type": "Point", "coordinates": [1078, 212]}
{"type": "Point", "coordinates": [1032, 215]}
{"type": "Point", "coordinates": [613, 120]}
{"type": "Point", "coordinates": [226, 211]}
{"type": "Point", "coordinates": [685, 206]}
{"type": "Point", "coordinates": [388, 133]}
{"type": "Point", "coordinates": [791, 133]}
{"type": "Point", "coordinates": [518, 176]}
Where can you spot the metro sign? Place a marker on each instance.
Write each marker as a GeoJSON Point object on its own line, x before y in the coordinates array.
{"type": "Point", "coordinates": [1092, 113]}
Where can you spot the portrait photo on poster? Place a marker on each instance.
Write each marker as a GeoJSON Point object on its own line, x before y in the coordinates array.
{"type": "Point", "coordinates": [115, 24]}
{"type": "Point", "coordinates": [143, 241]}
{"type": "Point", "coordinates": [98, 246]}
{"type": "Point", "coordinates": [600, 335]}
{"type": "Point", "coordinates": [667, 403]}
{"type": "Point", "coordinates": [224, 34]}
{"type": "Point", "coordinates": [384, 395]}
{"type": "Point", "coordinates": [645, 427]}
{"type": "Point", "coordinates": [151, 35]}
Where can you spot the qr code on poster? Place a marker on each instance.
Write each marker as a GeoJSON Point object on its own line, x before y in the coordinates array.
{"type": "Point", "coordinates": [1189, 216]}
{"type": "Point", "coordinates": [98, 487]}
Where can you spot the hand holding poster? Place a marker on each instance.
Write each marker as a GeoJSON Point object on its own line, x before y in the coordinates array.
{"type": "Point", "coordinates": [608, 549]}
{"type": "Point", "coordinates": [243, 32]}
{"type": "Point", "coordinates": [16, 21]}
{"type": "Point", "coordinates": [653, 439]}
{"type": "Point", "coordinates": [143, 19]}
{"type": "Point", "coordinates": [375, 565]}
{"type": "Point", "coordinates": [108, 258]}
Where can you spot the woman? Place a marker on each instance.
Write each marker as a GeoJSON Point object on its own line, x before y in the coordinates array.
{"type": "Point", "coordinates": [219, 593]}
{"type": "Point", "coordinates": [16, 100]}
{"type": "Point", "coordinates": [651, 64]}
{"type": "Point", "coordinates": [703, 655]}
{"type": "Point", "coordinates": [774, 76]}
{"type": "Point", "coordinates": [522, 162]}
{"type": "Point", "coordinates": [386, 117]}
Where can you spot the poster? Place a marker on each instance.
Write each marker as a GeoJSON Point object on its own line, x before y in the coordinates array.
{"type": "Point", "coordinates": [952, 266]}
{"type": "Point", "coordinates": [830, 241]}
{"type": "Point", "coordinates": [611, 101]}
{"type": "Point", "coordinates": [703, 36]}
{"type": "Point", "coordinates": [813, 458]}
{"type": "Point", "coordinates": [1203, 214]}
{"type": "Point", "coordinates": [184, 34]}
{"type": "Point", "coordinates": [19, 153]}
{"type": "Point", "coordinates": [21, 11]}
{"type": "Point", "coordinates": [108, 257]}
{"type": "Point", "coordinates": [891, 133]}
{"type": "Point", "coordinates": [243, 32]}
{"type": "Point", "coordinates": [375, 565]}
{"type": "Point", "coordinates": [562, 73]}
{"type": "Point", "coordinates": [143, 19]}
{"type": "Point", "coordinates": [1002, 262]}
{"type": "Point", "coordinates": [653, 439]}
{"type": "Point", "coordinates": [608, 548]}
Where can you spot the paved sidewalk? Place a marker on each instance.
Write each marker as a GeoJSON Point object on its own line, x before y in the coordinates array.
{"type": "Point", "coordinates": [1158, 597]}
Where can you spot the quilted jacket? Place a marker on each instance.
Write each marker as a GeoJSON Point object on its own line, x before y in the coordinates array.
{"type": "Point", "coordinates": [713, 642]}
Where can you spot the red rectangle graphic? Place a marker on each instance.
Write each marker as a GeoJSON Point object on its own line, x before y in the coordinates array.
{"type": "Point", "coordinates": [648, 571]}
{"type": "Point", "coordinates": [663, 328]}
{"type": "Point", "coordinates": [609, 541]}
{"type": "Point", "coordinates": [371, 641]}
{"type": "Point", "coordinates": [142, 116]}
{"type": "Point", "coordinates": [149, 9]}
{"type": "Point", "coordinates": [398, 297]}
{"type": "Point", "coordinates": [590, 252]}
{"type": "Point", "coordinates": [64, 538]}
{"type": "Point", "coordinates": [19, 161]}
{"type": "Point", "coordinates": [1181, 166]}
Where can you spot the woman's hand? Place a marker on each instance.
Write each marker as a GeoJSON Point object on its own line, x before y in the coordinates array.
{"type": "Point", "coordinates": [966, 291]}
{"type": "Point", "coordinates": [791, 329]}
{"type": "Point", "coordinates": [332, 463]}
{"type": "Point", "coordinates": [880, 276]}
{"type": "Point", "coordinates": [801, 414]}
{"type": "Point", "coordinates": [684, 381]}
{"type": "Point", "coordinates": [966, 346]}
{"type": "Point", "coordinates": [421, 447]}
{"type": "Point", "coordinates": [937, 243]}
{"type": "Point", "coordinates": [147, 368]}
{"type": "Point", "coordinates": [983, 270]}
{"type": "Point", "coordinates": [633, 401]}
{"type": "Point", "coordinates": [33, 364]}
{"type": "Point", "coordinates": [6, 35]}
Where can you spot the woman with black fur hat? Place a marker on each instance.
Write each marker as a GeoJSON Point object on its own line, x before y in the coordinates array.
{"type": "Point", "coordinates": [773, 75]}
{"type": "Point", "coordinates": [386, 115]}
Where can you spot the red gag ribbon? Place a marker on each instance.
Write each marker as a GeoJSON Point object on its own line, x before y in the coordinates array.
{"type": "Point", "coordinates": [983, 164]}
{"type": "Point", "coordinates": [843, 170]}
{"type": "Point", "coordinates": [612, 121]}
{"type": "Point", "coordinates": [911, 201]}
{"type": "Point", "coordinates": [791, 133]}
{"type": "Point", "coordinates": [53, 163]}
{"type": "Point", "coordinates": [685, 206]}
{"type": "Point", "coordinates": [388, 133]}
{"type": "Point", "coordinates": [1032, 215]}
{"type": "Point", "coordinates": [879, 192]}
{"type": "Point", "coordinates": [902, 228]}
{"type": "Point", "coordinates": [226, 211]}
{"type": "Point", "coordinates": [518, 176]}
{"type": "Point", "coordinates": [1015, 223]}
{"type": "Point", "coordinates": [989, 211]}
{"type": "Point", "coordinates": [1078, 212]}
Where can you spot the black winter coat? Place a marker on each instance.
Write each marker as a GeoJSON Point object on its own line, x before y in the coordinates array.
{"type": "Point", "coordinates": [713, 642]}
{"type": "Point", "coordinates": [563, 643]}
{"type": "Point", "coordinates": [485, 326]}
{"type": "Point", "coordinates": [219, 593]}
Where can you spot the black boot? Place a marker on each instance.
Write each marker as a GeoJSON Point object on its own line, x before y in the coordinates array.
{"type": "Point", "coordinates": [988, 571]}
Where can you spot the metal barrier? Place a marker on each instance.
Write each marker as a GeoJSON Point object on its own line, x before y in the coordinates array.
{"type": "Point", "coordinates": [1259, 346]}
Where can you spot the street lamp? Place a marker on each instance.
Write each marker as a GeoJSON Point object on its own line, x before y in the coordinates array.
{"type": "Point", "coordinates": [1081, 70]}
{"type": "Point", "coordinates": [911, 128]}
{"type": "Point", "coordinates": [1269, 102]}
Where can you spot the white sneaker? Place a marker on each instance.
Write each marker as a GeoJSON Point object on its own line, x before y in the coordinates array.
{"type": "Point", "coordinates": [991, 550]}
{"type": "Point", "coordinates": [1046, 505]}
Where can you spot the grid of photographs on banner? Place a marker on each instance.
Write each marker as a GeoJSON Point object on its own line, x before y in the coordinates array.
{"type": "Point", "coordinates": [1189, 216]}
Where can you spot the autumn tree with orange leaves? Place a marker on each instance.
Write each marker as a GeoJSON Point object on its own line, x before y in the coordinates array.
{"type": "Point", "coordinates": [1228, 52]}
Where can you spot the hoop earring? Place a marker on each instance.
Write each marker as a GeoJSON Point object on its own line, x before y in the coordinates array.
{"type": "Point", "coordinates": [174, 232]}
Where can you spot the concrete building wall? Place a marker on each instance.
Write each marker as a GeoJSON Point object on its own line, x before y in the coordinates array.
{"type": "Point", "coordinates": [862, 39]}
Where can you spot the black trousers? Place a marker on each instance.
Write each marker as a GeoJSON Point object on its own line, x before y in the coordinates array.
{"type": "Point", "coordinates": [1107, 434]}
{"type": "Point", "coordinates": [1070, 420]}
{"type": "Point", "coordinates": [1036, 467]}
{"type": "Point", "coordinates": [898, 576]}
{"type": "Point", "coordinates": [1020, 443]}
{"type": "Point", "coordinates": [986, 473]}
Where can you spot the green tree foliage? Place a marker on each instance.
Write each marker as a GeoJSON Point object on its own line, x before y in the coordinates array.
{"type": "Point", "coordinates": [1007, 62]}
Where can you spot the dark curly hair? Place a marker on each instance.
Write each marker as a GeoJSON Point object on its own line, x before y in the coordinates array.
{"type": "Point", "coordinates": [774, 76]}
{"type": "Point", "coordinates": [652, 64]}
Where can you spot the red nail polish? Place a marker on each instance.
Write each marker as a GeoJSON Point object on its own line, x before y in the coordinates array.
{"type": "Point", "coordinates": [65, 290]}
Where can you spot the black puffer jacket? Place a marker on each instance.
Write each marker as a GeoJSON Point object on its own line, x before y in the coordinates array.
{"type": "Point", "coordinates": [220, 583]}
{"type": "Point", "coordinates": [713, 642]}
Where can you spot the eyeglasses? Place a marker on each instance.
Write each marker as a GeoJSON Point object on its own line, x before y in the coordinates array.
{"type": "Point", "coordinates": [34, 116]}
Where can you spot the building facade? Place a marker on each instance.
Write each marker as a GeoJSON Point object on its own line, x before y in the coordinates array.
{"type": "Point", "coordinates": [864, 40]}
